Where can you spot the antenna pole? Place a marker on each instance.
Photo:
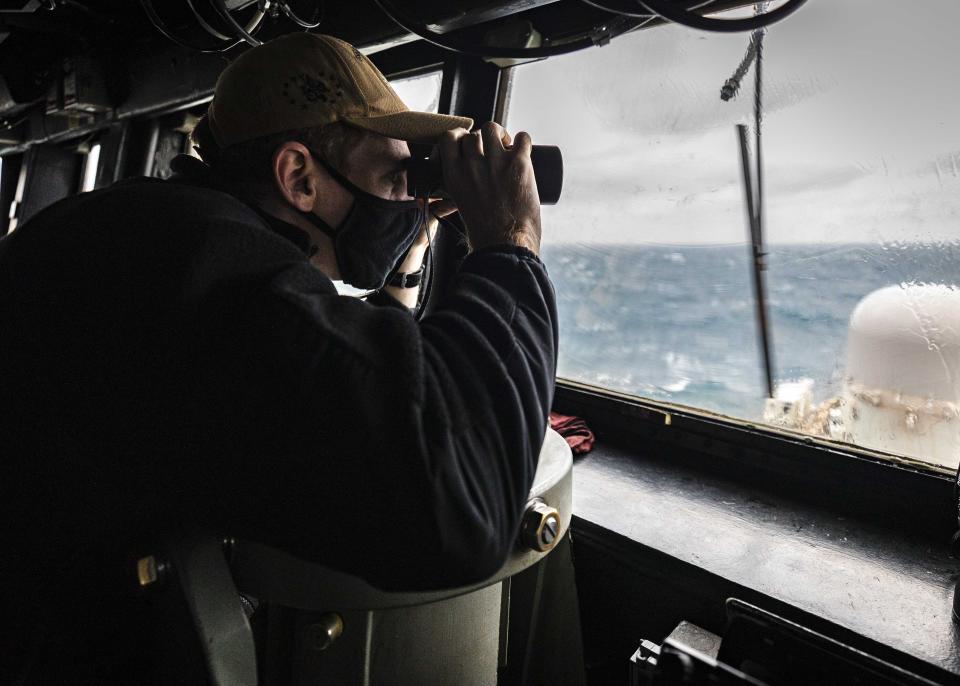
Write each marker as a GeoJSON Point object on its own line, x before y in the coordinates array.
{"type": "Point", "coordinates": [756, 249]}
{"type": "Point", "coordinates": [759, 255]}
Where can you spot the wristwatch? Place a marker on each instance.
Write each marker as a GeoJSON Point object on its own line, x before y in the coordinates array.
{"type": "Point", "coordinates": [406, 279]}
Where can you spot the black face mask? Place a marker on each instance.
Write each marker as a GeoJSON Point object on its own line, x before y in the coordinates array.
{"type": "Point", "coordinates": [375, 235]}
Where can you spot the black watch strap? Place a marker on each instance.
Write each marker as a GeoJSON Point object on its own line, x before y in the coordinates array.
{"type": "Point", "coordinates": [406, 279]}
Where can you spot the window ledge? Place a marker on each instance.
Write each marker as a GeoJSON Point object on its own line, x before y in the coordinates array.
{"type": "Point", "coordinates": [892, 587]}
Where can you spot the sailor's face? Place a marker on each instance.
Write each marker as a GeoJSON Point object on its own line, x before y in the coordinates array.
{"type": "Point", "coordinates": [377, 165]}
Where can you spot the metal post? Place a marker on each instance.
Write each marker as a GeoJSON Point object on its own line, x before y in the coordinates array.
{"type": "Point", "coordinates": [757, 254]}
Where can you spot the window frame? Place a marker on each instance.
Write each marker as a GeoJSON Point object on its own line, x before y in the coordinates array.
{"type": "Point", "coordinates": [797, 466]}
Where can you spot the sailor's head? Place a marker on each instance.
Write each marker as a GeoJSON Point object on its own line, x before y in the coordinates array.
{"type": "Point", "coordinates": [310, 129]}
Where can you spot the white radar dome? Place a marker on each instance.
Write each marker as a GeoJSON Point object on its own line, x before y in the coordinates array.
{"type": "Point", "coordinates": [902, 386]}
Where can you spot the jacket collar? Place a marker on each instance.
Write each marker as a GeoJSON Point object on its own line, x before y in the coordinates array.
{"type": "Point", "coordinates": [190, 170]}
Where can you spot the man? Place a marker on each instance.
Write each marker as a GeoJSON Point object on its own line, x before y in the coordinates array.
{"type": "Point", "coordinates": [173, 354]}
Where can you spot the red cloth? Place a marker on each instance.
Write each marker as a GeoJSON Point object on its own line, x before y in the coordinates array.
{"type": "Point", "coordinates": [574, 431]}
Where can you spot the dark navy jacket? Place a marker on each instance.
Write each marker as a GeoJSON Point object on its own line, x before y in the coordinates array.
{"type": "Point", "coordinates": [169, 357]}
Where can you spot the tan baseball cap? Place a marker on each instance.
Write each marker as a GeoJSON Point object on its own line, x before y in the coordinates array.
{"type": "Point", "coordinates": [302, 80]}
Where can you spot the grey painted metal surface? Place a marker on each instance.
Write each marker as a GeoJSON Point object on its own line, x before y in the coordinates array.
{"type": "Point", "coordinates": [452, 636]}
{"type": "Point", "coordinates": [278, 577]}
{"type": "Point", "coordinates": [225, 636]}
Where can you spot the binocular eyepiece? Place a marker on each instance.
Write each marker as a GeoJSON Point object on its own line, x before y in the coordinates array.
{"type": "Point", "coordinates": [425, 176]}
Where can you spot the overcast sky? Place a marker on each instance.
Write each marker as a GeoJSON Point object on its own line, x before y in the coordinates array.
{"type": "Point", "coordinates": [861, 132]}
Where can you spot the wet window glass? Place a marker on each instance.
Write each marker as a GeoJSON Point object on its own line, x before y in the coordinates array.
{"type": "Point", "coordinates": [649, 246]}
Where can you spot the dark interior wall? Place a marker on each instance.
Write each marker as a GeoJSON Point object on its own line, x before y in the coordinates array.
{"type": "Point", "coordinates": [53, 173]}
{"type": "Point", "coordinates": [112, 154]}
{"type": "Point", "coordinates": [628, 594]}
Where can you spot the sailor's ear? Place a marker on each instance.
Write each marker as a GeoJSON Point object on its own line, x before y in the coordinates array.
{"type": "Point", "coordinates": [295, 175]}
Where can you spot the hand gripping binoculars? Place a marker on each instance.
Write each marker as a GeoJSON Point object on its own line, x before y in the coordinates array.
{"type": "Point", "coordinates": [425, 176]}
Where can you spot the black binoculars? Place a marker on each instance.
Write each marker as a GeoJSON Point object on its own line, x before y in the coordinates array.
{"type": "Point", "coordinates": [425, 177]}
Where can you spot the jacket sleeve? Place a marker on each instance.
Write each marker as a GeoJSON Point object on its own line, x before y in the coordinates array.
{"type": "Point", "coordinates": [396, 450]}
{"type": "Point", "coordinates": [382, 299]}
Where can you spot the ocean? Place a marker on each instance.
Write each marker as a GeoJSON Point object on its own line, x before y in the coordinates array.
{"type": "Point", "coordinates": [677, 323]}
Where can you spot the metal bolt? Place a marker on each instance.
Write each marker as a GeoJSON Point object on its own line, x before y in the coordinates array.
{"type": "Point", "coordinates": [540, 528]}
{"type": "Point", "coordinates": [549, 531]}
{"type": "Point", "coordinates": [322, 633]}
{"type": "Point", "coordinates": [151, 570]}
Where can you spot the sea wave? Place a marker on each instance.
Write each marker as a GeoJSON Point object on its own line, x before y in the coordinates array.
{"type": "Point", "coordinates": [677, 322]}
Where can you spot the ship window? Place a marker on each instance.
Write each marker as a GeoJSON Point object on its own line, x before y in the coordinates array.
{"type": "Point", "coordinates": [420, 93]}
{"type": "Point", "coordinates": [649, 250]}
{"type": "Point", "coordinates": [91, 164]}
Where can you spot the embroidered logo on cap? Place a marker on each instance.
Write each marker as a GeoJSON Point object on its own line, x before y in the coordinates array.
{"type": "Point", "coordinates": [322, 88]}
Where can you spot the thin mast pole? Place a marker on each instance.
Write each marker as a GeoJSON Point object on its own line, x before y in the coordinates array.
{"type": "Point", "coordinates": [753, 191]}
{"type": "Point", "coordinates": [759, 255]}
{"type": "Point", "coordinates": [756, 248]}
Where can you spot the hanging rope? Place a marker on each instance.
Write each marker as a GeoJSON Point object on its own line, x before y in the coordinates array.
{"type": "Point", "coordinates": [732, 85]}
